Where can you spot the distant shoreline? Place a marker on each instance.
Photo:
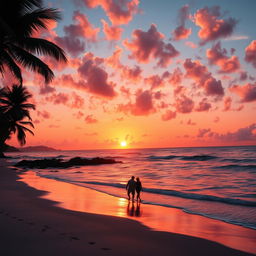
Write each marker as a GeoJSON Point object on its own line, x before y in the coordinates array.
{"type": "Point", "coordinates": [60, 150]}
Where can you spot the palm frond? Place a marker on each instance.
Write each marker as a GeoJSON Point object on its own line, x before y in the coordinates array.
{"type": "Point", "coordinates": [31, 62]}
{"type": "Point", "coordinates": [36, 20]}
{"type": "Point", "coordinates": [28, 106]}
{"type": "Point", "coordinates": [21, 133]}
{"type": "Point", "coordinates": [27, 123]}
{"type": "Point", "coordinates": [29, 4]}
{"type": "Point", "coordinates": [43, 47]}
{"type": "Point", "coordinates": [7, 60]}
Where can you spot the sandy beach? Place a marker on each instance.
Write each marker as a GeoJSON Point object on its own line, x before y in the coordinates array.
{"type": "Point", "coordinates": [32, 224]}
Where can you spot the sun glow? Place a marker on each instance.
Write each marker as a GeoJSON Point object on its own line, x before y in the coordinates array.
{"type": "Point", "coordinates": [123, 143]}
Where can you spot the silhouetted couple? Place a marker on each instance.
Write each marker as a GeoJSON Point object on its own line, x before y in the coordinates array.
{"type": "Point", "coordinates": [133, 186]}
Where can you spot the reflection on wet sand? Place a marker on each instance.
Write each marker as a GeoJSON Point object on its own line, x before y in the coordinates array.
{"type": "Point", "coordinates": [133, 209]}
{"type": "Point", "coordinates": [160, 218]}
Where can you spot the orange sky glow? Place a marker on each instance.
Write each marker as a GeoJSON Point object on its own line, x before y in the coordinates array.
{"type": "Point", "coordinates": [184, 78]}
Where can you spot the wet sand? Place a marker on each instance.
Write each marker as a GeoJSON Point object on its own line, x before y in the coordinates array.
{"type": "Point", "coordinates": [72, 220]}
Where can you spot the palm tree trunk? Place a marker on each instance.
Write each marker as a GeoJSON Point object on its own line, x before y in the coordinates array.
{"type": "Point", "coordinates": [3, 137]}
{"type": "Point", "coordinates": [2, 146]}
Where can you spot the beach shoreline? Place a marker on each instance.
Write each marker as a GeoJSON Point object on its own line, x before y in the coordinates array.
{"type": "Point", "coordinates": [29, 223]}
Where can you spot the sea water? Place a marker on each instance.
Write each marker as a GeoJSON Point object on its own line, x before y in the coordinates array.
{"type": "Point", "coordinates": [216, 182]}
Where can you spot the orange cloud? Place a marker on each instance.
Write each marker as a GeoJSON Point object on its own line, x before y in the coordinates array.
{"type": "Point", "coordinates": [147, 45]}
{"type": "Point", "coordinates": [227, 104]}
{"type": "Point", "coordinates": [168, 115]}
{"type": "Point", "coordinates": [90, 119]}
{"type": "Point", "coordinates": [184, 104]}
{"type": "Point", "coordinates": [203, 105]}
{"type": "Point", "coordinates": [191, 44]}
{"type": "Point", "coordinates": [119, 12]}
{"type": "Point", "coordinates": [96, 77]}
{"type": "Point", "coordinates": [143, 105]}
{"type": "Point", "coordinates": [198, 72]}
{"type": "Point", "coordinates": [246, 92]}
{"type": "Point", "coordinates": [213, 28]}
{"type": "Point", "coordinates": [111, 32]}
{"type": "Point", "coordinates": [75, 34]}
{"type": "Point", "coordinates": [250, 53]}
{"type": "Point", "coordinates": [218, 56]}
{"type": "Point", "coordinates": [181, 32]}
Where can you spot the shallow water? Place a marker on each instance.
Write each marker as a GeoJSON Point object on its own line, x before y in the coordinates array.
{"type": "Point", "coordinates": [217, 182]}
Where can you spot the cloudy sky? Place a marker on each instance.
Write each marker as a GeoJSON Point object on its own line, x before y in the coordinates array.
{"type": "Point", "coordinates": [152, 73]}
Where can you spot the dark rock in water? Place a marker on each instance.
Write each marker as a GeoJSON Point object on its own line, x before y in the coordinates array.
{"type": "Point", "coordinates": [59, 163]}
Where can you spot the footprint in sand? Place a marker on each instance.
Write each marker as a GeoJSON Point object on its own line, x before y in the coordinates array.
{"type": "Point", "coordinates": [63, 234]}
{"type": "Point", "coordinates": [92, 243]}
{"type": "Point", "coordinates": [74, 238]}
{"type": "Point", "coordinates": [20, 219]}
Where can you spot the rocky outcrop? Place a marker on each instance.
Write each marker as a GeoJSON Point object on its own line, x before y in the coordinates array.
{"type": "Point", "coordinates": [59, 163]}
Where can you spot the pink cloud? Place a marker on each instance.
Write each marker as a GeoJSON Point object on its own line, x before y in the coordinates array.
{"type": "Point", "coordinates": [128, 73]}
{"type": "Point", "coordinates": [203, 105]}
{"type": "Point", "coordinates": [44, 114]}
{"type": "Point", "coordinates": [158, 95]}
{"type": "Point", "coordinates": [111, 32]}
{"type": "Point", "coordinates": [148, 45]}
{"type": "Point", "coordinates": [77, 101]}
{"type": "Point", "coordinates": [243, 134]}
{"type": "Point", "coordinates": [181, 32]}
{"type": "Point", "coordinates": [168, 115]}
{"type": "Point", "coordinates": [243, 76]}
{"type": "Point", "coordinates": [199, 73]}
{"type": "Point", "coordinates": [125, 91]}
{"type": "Point", "coordinates": [132, 74]}
{"type": "Point", "coordinates": [72, 41]}
{"type": "Point", "coordinates": [155, 81]}
{"type": "Point", "coordinates": [119, 12]}
{"type": "Point", "coordinates": [79, 115]}
{"type": "Point", "coordinates": [227, 104]}
{"type": "Point", "coordinates": [202, 132]}
{"type": "Point", "coordinates": [190, 122]}
{"type": "Point", "coordinates": [72, 45]}
{"type": "Point", "coordinates": [175, 78]}
{"type": "Point", "coordinates": [212, 26]}
{"type": "Point", "coordinates": [45, 89]}
{"type": "Point", "coordinates": [96, 77]}
{"type": "Point", "coordinates": [143, 105]}
{"type": "Point", "coordinates": [184, 104]}
{"type": "Point", "coordinates": [196, 70]}
{"type": "Point", "coordinates": [83, 28]}
{"type": "Point", "coordinates": [191, 44]}
{"type": "Point", "coordinates": [90, 119]}
{"type": "Point", "coordinates": [219, 57]}
{"type": "Point", "coordinates": [58, 98]}
{"type": "Point", "coordinates": [247, 92]}
{"type": "Point", "coordinates": [213, 87]}
{"type": "Point", "coordinates": [250, 53]}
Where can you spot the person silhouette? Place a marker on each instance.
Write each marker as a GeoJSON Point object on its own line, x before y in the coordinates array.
{"type": "Point", "coordinates": [130, 187]}
{"type": "Point", "coordinates": [138, 188]}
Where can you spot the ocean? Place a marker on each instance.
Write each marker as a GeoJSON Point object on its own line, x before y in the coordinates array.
{"type": "Point", "coordinates": [216, 182]}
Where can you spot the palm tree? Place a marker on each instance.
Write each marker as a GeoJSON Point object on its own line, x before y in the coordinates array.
{"type": "Point", "coordinates": [19, 20]}
{"type": "Point", "coordinates": [14, 114]}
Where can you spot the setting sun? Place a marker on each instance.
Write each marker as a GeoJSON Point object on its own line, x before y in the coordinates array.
{"type": "Point", "coordinates": [123, 143]}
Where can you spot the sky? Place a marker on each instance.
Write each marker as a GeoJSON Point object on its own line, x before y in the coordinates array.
{"type": "Point", "coordinates": [150, 73]}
